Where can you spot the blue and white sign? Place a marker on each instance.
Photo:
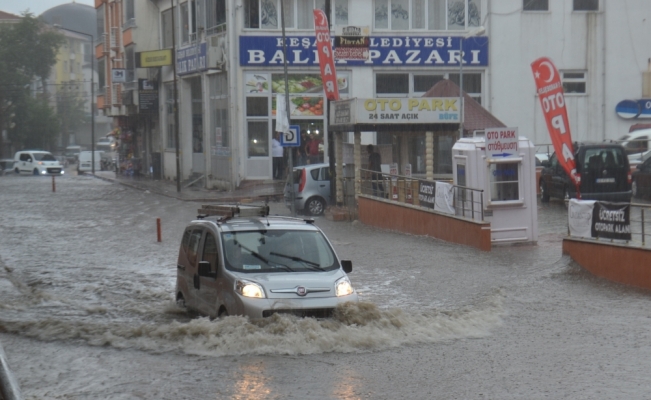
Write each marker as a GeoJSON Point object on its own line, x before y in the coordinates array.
{"type": "Point", "coordinates": [191, 59]}
{"type": "Point", "coordinates": [419, 51]}
{"type": "Point", "coordinates": [633, 109]}
{"type": "Point", "coordinates": [291, 138]}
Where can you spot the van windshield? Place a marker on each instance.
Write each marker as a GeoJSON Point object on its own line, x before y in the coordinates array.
{"type": "Point", "coordinates": [278, 251]}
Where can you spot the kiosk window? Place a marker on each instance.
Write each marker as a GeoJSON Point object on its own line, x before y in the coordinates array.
{"type": "Point", "coordinates": [504, 181]}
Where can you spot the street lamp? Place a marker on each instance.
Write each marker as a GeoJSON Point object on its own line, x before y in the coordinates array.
{"type": "Point", "coordinates": [92, 92]}
{"type": "Point", "coordinates": [474, 32]}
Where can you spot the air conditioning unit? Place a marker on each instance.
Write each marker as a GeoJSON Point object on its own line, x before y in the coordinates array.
{"type": "Point", "coordinates": [217, 52]}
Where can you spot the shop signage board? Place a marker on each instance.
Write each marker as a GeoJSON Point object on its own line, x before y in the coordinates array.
{"type": "Point", "coordinates": [118, 75]}
{"type": "Point", "coordinates": [151, 59]}
{"type": "Point", "coordinates": [501, 142]}
{"type": "Point", "coordinates": [388, 51]}
{"type": "Point", "coordinates": [147, 96]}
{"type": "Point", "coordinates": [191, 59]}
{"type": "Point", "coordinates": [421, 110]}
{"type": "Point", "coordinates": [352, 42]}
{"type": "Point", "coordinates": [599, 219]}
{"type": "Point", "coordinates": [427, 193]}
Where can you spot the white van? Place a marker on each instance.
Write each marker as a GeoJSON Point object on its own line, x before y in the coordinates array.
{"type": "Point", "coordinates": [37, 162]}
{"type": "Point", "coordinates": [637, 145]}
{"type": "Point", "coordinates": [86, 161]}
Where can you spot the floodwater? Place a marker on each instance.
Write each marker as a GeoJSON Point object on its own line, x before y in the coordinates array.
{"type": "Point", "coordinates": [87, 312]}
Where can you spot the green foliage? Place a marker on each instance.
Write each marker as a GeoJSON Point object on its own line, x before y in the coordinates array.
{"type": "Point", "coordinates": [70, 107]}
{"type": "Point", "coordinates": [28, 50]}
{"type": "Point", "coordinates": [37, 126]}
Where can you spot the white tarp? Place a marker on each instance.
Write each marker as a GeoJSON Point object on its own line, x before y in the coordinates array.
{"type": "Point", "coordinates": [282, 123]}
{"type": "Point", "coordinates": [579, 217]}
{"type": "Point", "coordinates": [444, 198]}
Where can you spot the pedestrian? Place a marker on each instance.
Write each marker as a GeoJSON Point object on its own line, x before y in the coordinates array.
{"type": "Point", "coordinates": [312, 150]}
{"type": "Point", "coordinates": [277, 154]}
{"type": "Point", "coordinates": [375, 165]}
{"type": "Point", "coordinates": [302, 152]}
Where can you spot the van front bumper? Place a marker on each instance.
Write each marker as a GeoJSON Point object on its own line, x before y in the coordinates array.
{"type": "Point", "coordinates": [317, 306]}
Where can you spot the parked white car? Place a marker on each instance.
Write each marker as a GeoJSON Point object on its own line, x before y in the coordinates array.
{"type": "Point", "coordinates": [86, 161]}
{"type": "Point", "coordinates": [37, 162]}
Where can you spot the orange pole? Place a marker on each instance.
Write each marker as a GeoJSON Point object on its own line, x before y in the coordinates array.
{"type": "Point", "coordinates": [54, 186]}
{"type": "Point", "coordinates": [158, 230]}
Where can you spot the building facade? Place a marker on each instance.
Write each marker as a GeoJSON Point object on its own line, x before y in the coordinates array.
{"type": "Point", "coordinates": [229, 70]}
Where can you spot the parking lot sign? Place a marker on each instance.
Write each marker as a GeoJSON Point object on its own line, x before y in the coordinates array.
{"type": "Point", "coordinates": [291, 138]}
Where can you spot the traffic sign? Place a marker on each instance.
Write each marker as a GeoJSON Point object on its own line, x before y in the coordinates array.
{"type": "Point", "coordinates": [291, 138]}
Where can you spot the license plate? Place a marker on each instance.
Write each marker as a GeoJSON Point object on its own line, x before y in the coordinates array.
{"type": "Point", "coordinates": [605, 180]}
{"type": "Point", "coordinates": [54, 170]}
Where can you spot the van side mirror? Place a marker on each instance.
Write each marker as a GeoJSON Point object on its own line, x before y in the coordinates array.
{"type": "Point", "coordinates": [204, 269]}
{"type": "Point", "coordinates": [347, 265]}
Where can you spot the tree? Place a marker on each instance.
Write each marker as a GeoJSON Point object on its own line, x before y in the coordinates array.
{"type": "Point", "coordinates": [27, 50]}
{"type": "Point", "coordinates": [37, 125]}
{"type": "Point", "coordinates": [70, 107]}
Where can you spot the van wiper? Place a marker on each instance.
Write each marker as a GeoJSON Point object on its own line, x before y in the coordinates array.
{"type": "Point", "coordinates": [254, 254]}
{"type": "Point", "coordinates": [299, 259]}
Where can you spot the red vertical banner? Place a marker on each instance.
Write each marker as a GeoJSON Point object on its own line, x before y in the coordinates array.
{"type": "Point", "coordinates": [552, 100]}
{"type": "Point", "coordinates": [326, 57]}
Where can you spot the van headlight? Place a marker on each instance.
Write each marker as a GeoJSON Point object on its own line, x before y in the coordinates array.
{"type": "Point", "coordinates": [343, 287]}
{"type": "Point", "coordinates": [249, 289]}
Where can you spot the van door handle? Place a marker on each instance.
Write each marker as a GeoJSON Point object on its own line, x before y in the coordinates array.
{"type": "Point", "coordinates": [322, 185]}
{"type": "Point", "coordinates": [179, 266]}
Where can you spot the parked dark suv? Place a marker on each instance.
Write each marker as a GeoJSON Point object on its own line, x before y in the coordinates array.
{"type": "Point", "coordinates": [603, 169]}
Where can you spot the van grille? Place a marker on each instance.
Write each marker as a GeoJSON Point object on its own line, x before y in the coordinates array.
{"type": "Point", "coordinates": [302, 313]}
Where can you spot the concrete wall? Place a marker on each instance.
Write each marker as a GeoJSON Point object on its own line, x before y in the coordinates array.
{"type": "Point", "coordinates": [615, 262]}
{"type": "Point", "coordinates": [417, 221]}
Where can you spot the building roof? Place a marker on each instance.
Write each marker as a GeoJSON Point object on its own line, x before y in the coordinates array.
{"type": "Point", "coordinates": [8, 17]}
{"type": "Point", "coordinates": [475, 117]}
{"type": "Point", "coordinates": [74, 16]}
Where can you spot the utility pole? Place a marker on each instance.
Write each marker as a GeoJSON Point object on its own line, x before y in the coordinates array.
{"type": "Point", "coordinates": [291, 157]}
{"type": "Point", "coordinates": [331, 141]}
{"type": "Point", "coordinates": [176, 107]}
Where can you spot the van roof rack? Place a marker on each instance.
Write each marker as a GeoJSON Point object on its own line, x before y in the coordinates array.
{"type": "Point", "coordinates": [228, 211]}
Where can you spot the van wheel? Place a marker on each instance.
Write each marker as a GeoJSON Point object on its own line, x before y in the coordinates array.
{"type": "Point", "coordinates": [315, 206]}
{"type": "Point", "coordinates": [16, 170]}
{"type": "Point", "coordinates": [634, 189]}
{"type": "Point", "coordinates": [222, 312]}
{"type": "Point", "coordinates": [544, 195]}
{"type": "Point", "coordinates": [35, 172]}
{"type": "Point", "coordinates": [180, 301]}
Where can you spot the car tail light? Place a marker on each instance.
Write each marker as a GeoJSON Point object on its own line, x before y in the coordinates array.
{"type": "Point", "coordinates": [302, 181]}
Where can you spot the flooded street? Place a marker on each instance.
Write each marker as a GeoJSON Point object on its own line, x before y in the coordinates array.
{"type": "Point", "coordinates": [87, 311]}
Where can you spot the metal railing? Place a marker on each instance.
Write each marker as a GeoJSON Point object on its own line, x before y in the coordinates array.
{"type": "Point", "coordinates": [466, 202]}
{"type": "Point", "coordinates": [640, 216]}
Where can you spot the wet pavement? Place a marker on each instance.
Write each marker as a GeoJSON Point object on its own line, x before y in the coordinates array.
{"type": "Point", "coordinates": [87, 311]}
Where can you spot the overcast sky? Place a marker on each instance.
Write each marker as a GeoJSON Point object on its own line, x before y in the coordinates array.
{"type": "Point", "coordinates": [36, 7]}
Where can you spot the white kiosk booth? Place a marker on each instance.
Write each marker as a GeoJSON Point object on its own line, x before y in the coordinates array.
{"type": "Point", "coordinates": [502, 164]}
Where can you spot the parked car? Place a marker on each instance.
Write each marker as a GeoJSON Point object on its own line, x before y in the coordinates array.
{"type": "Point", "coordinates": [637, 145]}
{"type": "Point", "coordinates": [85, 163]}
{"type": "Point", "coordinates": [6, 166]}
{"type": "Point", "coordinates": [641, 186]}
{"type": "Point", "coordinates": [37, 162]}
{"type": "Point", "coordinates": [72, 153]}
{"type": "Point", "coordinates": [603, 169]}
{"type": "Point", "coordinates": [252, 264]}
{"type": "Point", "coordinates": [311, 188]}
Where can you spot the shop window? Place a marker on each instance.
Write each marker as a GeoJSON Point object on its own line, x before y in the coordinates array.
{"type": "Point", "coordinates": [471, 84]}
{"type": "Point", "coordinates": [504, 181]}
{"type": "Point", "coordinates": [392, 84]}
{"type": "Point", "coordinates": [574, 82]}
{"type": "Point", "coordinates": [426, 14]}
{"type": "Point", "coordinates": [535, 5]}
{"type": "Point", "coordinates": [258, 138]}
{"type": "Point", "coordinates": [257, 106]}
{"type": "Point", "coordinates": [100, 21]}
{"type": "Point", "coordinates": [423, 83]}
{"type": "Point", "coordinates": [129, 12]}
{"type": "Point", "coordinates": [184, 23]}
{"type": "Point", "coordinates": [265, 14]}
{"type": "Point", "coordinates": [219, 106]}
{"type": "Point", "coordinates": [586, 5]}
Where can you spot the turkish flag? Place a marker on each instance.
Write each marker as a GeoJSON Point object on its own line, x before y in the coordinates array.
{"type": "Point", "coordinates": [326, 57]}
{"type": "Point", "coordinates": [552, 100]}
